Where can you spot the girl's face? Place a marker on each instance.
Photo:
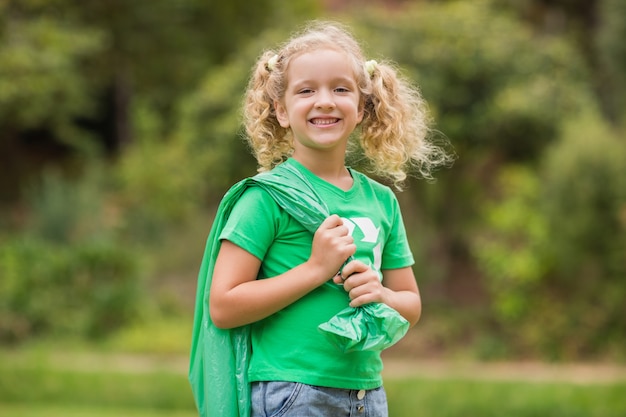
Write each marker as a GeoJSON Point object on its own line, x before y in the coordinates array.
{"type": "Point", "coordinates": [321, 102]}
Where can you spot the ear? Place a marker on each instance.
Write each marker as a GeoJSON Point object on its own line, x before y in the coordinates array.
{"type": "Point", "coordinates": [361, 113]}
{"type": "Point", "coordinates": [281, 114]}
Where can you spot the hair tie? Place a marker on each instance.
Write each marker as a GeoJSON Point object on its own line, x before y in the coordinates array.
{"type": "Point", "coordinates": [271, 63]}
{"type": "Point", "coordinates": [370, 66]}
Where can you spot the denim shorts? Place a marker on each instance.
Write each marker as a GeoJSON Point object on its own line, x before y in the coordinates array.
{"type": "Point", "coordinates": [293, 399]}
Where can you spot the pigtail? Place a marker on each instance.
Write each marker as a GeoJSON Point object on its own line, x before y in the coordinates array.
{"type": "Point", "coordinates": [395, 128]}
{"type": "Point", "coordinates": [270, 142]}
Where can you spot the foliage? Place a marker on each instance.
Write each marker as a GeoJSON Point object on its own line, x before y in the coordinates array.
{"type": "Point", "coordinates": [70, 72]}
{"type": "Point", "coordinates": [584, 198]}
{"type": "Point", "coordinates": [554, 250]}
{"type": "Point", "coordinates": [69, 273]}
{"type": "Point", "coordinates": [83, 290]}
{"type": "Point", "coordinates": [492, 84]}
{"type": "Point", "coordinates": [65, 211]}
{"type": "Point", "coordinates": [497, 91]}
{"type": "Point", "coordinates": [531, 215]}
{"type": "Point", "coordinates": [158, 186]}
{"type": "Point", "coordinates": [596, 29]}
{"type": "Point", "coordinates": [512, 253]}
{"type": "Point", "coordinates": [162, 184]}
{"type": "Point", "coordinates": [66, 272]}
{"type": "Point", "coordinates": [612, 57]}
{"type": "Point", "coordinates": [41, 83]}
{"type": "Point", "coordinates": [67, 68]}
{"type": "Point", "coordinates": [205, 153]}
{"type": "Point", "coordinates": [157, 334]}
{"type": "Point", "coordinates": [586, 183]}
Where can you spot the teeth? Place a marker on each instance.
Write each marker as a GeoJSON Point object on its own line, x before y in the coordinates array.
{"type": "Point", "coordinates": [324, 121]}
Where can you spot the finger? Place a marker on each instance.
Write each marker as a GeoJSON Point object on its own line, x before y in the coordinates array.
{"type": "Point", "coordinates": [359, 301]}
{"type": "Point", "coordinates": [338, 279]}
{"type": "Point", "coordinates": [359, 297]}
{"type": "Point", "coordinates": [353, 267]}
{"type": "Point", "coordinates": [331, 222]}
{"type": "Point", "coordinates": [345, 271]}
{"type": "Point", "coordinates": [350, 283]}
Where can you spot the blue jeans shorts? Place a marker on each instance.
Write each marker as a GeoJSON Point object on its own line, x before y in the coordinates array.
{"type": "Point", "coordinates": [293, 399]}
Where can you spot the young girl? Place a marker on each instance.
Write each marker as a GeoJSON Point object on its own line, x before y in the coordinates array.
{"type": "Point", "coordinates": [304, 102]}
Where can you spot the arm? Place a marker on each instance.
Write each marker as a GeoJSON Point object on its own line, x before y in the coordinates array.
{"type": "Point", "coordinates": [399, 291]}
{"type": "Point", "coordinates": [402, 294]}
{"type": "Point", "coordinates": [238, 298]}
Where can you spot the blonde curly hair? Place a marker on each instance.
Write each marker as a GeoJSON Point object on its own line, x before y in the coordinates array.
{"type": "Point", "coordinates": [394, 131]}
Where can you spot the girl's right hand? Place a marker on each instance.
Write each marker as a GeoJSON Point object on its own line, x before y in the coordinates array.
{"type": "Point", "coordinates": [332, 246]}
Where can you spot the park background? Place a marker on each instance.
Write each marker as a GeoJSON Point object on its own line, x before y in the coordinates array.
{"type": "Point", "coordinates": [120, 131]}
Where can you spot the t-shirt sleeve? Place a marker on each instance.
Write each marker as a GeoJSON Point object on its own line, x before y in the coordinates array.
{"type": "Point", "coordinates": [252, 222]}
{"type": "Point", "coordinates": [396, 253]}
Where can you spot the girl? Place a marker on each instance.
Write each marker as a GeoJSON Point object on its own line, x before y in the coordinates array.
{"type": "Point", "coordinates": [304, 102]}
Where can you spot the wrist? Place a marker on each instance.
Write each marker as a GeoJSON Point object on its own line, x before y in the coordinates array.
{"type": "Point", "coordinates": [315, 272]}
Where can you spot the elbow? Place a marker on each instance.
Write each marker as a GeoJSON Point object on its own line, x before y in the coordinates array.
{"type": "Point", "coordinates": [415, 317]}
{"type": "Point", "coordinates": [220, 322]}
{"type": "Point", "coordinates": [217, 321]}
{"type": "Point", "coordinates": [219, 317]}
{"type": "Point", "coordinates": [415, 308]}
{"type": "Point", "coordinates": [416, 312]}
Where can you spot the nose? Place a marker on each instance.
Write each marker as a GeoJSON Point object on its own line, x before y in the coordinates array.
{"type": "Point", "coordinates": [325, 99]}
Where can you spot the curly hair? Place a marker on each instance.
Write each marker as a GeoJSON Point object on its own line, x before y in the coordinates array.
{"type": "Point", "coordinates": [394, 133]}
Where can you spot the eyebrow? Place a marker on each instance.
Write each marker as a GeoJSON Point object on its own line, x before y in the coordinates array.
{"type": "Point", "coordinates": [336, 80]}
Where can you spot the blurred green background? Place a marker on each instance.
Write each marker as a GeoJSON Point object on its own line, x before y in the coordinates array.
{"type": "Point", "coordinates": [120, 131]}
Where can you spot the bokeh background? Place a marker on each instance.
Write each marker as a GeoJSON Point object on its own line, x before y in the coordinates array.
{"type": "Point", "coordinates": [120, 131]}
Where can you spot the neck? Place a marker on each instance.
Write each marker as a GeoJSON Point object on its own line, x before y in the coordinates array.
{"type": "Point", "coordinates": [328, 167]}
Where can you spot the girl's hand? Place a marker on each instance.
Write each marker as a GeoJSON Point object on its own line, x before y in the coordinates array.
{"type": "Point", "coordinates": [362, 284]}
{"type": "Point", "coordinates": [332, 245]}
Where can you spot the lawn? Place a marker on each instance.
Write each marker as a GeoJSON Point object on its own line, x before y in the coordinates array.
{"type": "Point", "coordinates": [481, 398]}
{"type": "Point", "coordinates": [104, 385]}
{"type": "Point", "coordinates": [46, 410]}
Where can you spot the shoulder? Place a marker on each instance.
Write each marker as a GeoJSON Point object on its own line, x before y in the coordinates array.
{"type": "Point", "coordinates": [253, 212]}
{"type": "Point", "coordinates": [371, 185]}
{"type": "Point", "coordinates": [253, 196]}
{"type": "Point", "coordinates": [246, 200]}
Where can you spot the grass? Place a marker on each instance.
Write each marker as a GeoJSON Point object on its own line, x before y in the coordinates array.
{"type": "Point", "coordinates": [39, 410]}
{"type": "Point", "coordinates": [73, 384]}
{"type": "Point", "coordinates": [162, 391]}
{"type": "Point", "coordinates": [465, 398]}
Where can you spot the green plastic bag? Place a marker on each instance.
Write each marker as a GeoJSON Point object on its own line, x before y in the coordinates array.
{"type": "Point", "coordinates": [219, 358]}
{"type": "Point", "coordinates": [373, 326]}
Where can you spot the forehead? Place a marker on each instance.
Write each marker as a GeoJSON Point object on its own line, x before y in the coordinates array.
{"type": "Point", "coordinates": [320, 65]}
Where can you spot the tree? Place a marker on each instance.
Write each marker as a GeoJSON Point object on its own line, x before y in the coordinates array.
{"type": "Point", "coordinates": [81, 67]}
{"type": "Point", "coordinates": [42, 90]}
{"type": "Point", "coordinates": [496, 91]}
{"type": "Point", "coordinates": [597, 29]}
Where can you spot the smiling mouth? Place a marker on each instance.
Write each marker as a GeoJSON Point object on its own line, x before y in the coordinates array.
{"type": "Point", "coordinates": [323, 122]}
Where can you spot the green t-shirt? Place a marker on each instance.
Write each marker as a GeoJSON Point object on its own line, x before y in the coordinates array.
{"type": "Point", "coordinates": [287, 346]}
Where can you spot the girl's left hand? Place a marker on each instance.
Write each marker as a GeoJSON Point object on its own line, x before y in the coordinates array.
{"type": "Point", "coordinates": [362, 284]}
